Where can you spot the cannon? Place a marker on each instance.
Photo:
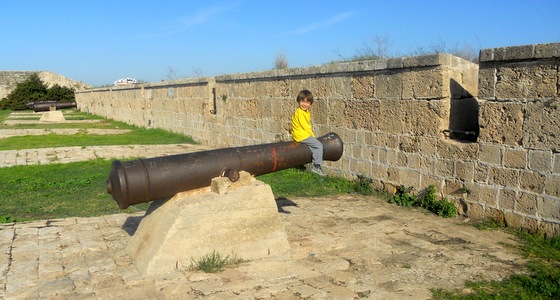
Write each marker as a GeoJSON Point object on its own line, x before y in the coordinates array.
{"type": "Point", "coordinates": [145, 180]}
{"type": "Point", "coordinates": [38, 106]}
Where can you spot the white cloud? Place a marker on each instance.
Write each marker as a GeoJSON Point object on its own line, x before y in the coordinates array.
{"type": "Point", "coordinates": [323, 24]}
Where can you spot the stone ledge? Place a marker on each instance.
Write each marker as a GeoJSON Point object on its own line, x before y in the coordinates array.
{"type": "Point", "coordinates": [525, 52]}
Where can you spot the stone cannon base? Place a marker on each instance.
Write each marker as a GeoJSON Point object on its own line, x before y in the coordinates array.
{"type": "Point", "coordinates": [238, 219]}
{"type": "Point", "coordinates": [52, 116]}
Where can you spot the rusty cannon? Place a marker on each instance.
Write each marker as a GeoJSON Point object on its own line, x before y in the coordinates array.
{"type": "Point", "coordinates": [144, 180]}
{"type": "Point", "coordinates": [38, 106]}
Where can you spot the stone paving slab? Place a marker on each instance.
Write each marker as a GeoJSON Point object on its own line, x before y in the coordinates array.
{"type": "Point", "coordinates": [26, 122]}
{"type": "Point", "coordinates": [9, 158]}
{"type": "Point", "coordinates": [345, 247]}
{"type": "Point", "coordinates": [6, 133]}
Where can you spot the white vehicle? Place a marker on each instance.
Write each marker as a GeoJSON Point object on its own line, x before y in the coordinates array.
{"type": "Point", "coordinates": [125, 81]}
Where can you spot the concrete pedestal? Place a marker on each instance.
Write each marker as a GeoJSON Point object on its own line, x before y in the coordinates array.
{"type": "Point", "coordinates": [241, 221]}
{"type": "Point", "coordinates": [52, 116]}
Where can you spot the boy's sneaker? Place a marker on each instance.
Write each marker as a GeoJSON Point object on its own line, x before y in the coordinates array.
{"type": "Point", "coordinates": [318, 170]}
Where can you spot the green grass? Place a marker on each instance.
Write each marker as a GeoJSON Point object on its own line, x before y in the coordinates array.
{"type": "Point", "coordinates": [542, 280]}
{"type": "Point", "coordinates": [214, 262]}
{"type": "Point", "coordinates": [52, 191]}
{"type": "Point", "coordinates": [297, 183]}
{"type": "Point", "coordinates": [136, 136]}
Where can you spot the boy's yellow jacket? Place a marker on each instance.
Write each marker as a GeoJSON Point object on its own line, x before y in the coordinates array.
{"type": "Point", "coordinates": [301, 125]}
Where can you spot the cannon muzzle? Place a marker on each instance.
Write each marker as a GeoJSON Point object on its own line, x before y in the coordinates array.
{"type": "Point", "coordinates": [144, 180]}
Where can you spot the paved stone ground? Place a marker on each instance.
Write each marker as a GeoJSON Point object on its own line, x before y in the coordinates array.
{"type": "Point", "coordinates": [344, 247]}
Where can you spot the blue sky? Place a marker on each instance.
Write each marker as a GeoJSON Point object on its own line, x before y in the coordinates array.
{"type": "Point", "coordinates": [98, 42]}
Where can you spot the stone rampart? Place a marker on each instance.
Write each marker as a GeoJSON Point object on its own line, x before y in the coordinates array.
{"type": "Point", "coordinates": [413, 121]}
{"type": "Point", "coordinates": [10, 79]}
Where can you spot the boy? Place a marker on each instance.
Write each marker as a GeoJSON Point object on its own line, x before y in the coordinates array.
{"type": "Point", "coordinates": [302, 132]}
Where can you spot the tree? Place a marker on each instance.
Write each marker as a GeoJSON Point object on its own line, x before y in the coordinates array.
{"type": "Point", "coordinates": [33, 89]}
{"type": "Point", "coordinates": [60, 93]}
{"type": "Point", "coordinates": [280, 61]}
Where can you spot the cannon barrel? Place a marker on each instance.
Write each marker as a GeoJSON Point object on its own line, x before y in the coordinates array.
{"type": "Point", "coordinates": [38, 106]}
{"type": "Point", "coordinates": [144, 180]}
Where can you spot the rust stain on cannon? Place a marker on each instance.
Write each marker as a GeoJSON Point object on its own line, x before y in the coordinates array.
{"type": "Point", "coordinates": [145, 180]}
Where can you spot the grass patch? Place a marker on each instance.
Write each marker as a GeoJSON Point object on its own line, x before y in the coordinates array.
{"type": "Point", "coordinates": [52, 191]}
{"type": "Point", "coordinates": [541, 282]}
{"type": "Point", "coordinates": [136, 136]}
{"type": "Point", "coordinates": [441, 207]}
{"type": "Point", "coordinates": [298, 183]}
{"type": "Point", "coordinates": [214, 262]}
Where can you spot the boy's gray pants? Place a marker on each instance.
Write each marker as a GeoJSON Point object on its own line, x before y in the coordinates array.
{"type": "Point", "coordinates": [316, 149]}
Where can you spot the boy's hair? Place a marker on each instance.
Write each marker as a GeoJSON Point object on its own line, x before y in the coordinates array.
{"type": "Point", "coordinates": [305, 94]}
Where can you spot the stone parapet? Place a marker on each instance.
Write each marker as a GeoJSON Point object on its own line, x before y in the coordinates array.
{"type": "Point", "coordinates": [485, 137]}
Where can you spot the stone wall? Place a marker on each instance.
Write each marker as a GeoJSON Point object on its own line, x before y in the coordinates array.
{"type": "Point", "coordinates": [9, 80]}
{"type": "Point", "coordinates": [413, 121]}
{"type": "Point", "coordinates": [518, 168]}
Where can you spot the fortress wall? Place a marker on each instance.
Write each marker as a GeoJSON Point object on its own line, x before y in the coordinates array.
{"type": "Point", "coordinates": [409, 121]}
{"type": "Point", "coordinates": [518, 170]}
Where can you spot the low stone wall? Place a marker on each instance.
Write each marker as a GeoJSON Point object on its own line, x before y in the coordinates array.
{"type": "Point", "coordinates": [413, 121]}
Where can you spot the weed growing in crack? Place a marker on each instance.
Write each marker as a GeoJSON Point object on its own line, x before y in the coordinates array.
{"type": "Point", "coordinates": [442, 207]}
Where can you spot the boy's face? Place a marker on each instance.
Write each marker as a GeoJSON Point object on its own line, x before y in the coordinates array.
{"type": "Point", "coordinates": [304, 104]}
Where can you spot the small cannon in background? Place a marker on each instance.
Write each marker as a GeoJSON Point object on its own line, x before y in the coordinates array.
{"type": "Point", "coordinates": [144, 180]}
{"type": "Point", "coordinates": [38, 106]}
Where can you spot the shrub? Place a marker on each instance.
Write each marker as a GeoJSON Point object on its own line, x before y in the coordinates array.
{"type": "Point", "coordinates": [33, 89]}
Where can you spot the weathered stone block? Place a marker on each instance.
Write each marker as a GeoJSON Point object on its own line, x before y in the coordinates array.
{"type": "Point", "coordinates": [408, 144]}
{"type": "Point", "coordinates": [481, 172]}
{"type": "Point", "coordinates": [547, 50]}
{"type": "Point", "coordinates": [488, 196]}
{"type": "Point", "coordinates": [427, 145]}
{"type": "Point", "coordinates": [450, 149]}
{"type": "Point", "coordinates": [362, 86]}
{"type": "Point", "coordinates": [243, 222]}
{"type": "Point", "coordinates": [549, 207]}
{"type": "Point", "coordinates": [444, 168]}
{"type": "Point", "coordinates": [542, 125]}
{"type": "Point", "coordinates": [515, 158]}
{"type": "Point", "coordinates": [552, 185]}
{"type": "Point", "coordinates": [427, 180]}
{"type": "Point", "coordinates": [452, 187]}
{"type": "Point", "coordinates": [540, 160]}
{"type": "Point", "coordinates": [506, 199]}
{"type": "Point", "coordinates": [501, 123]}
{"type": "Point", "coordinates": [388, 85]}
{"type": "Point", "coordinates": [425, 117]}
{"type": "Point", "coordinates": [490, 153]}
{"type": "Point", "coordinates": [530, 80]}
{"type": "Point", "coordinates": [363, 114]}
{"type": "Point", "coordinates": [393, 175]}
{"type": "Point", "coordinates": [412, 160]}
{"type": "Point", "coordinates": [464, 170]}
{"type": "Point", "coordinates": [426, 84]}
{"type": "Point", "coordinates": [474, 211]}
{"type": "Point", "coordinates": [532, 181]}
{"type": "Point", "coordinates": [503, 176]}
{"type": "Point", "coordinates": [513, 220]}
{"type": "Point", "coordinates": [409, 177]}
{"type": "Point", "coordinates": [378, 171]}
{"type": "Point", "coordinates": [486, 83]}
{"type": "Point", "coordinates": [526, 204]}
